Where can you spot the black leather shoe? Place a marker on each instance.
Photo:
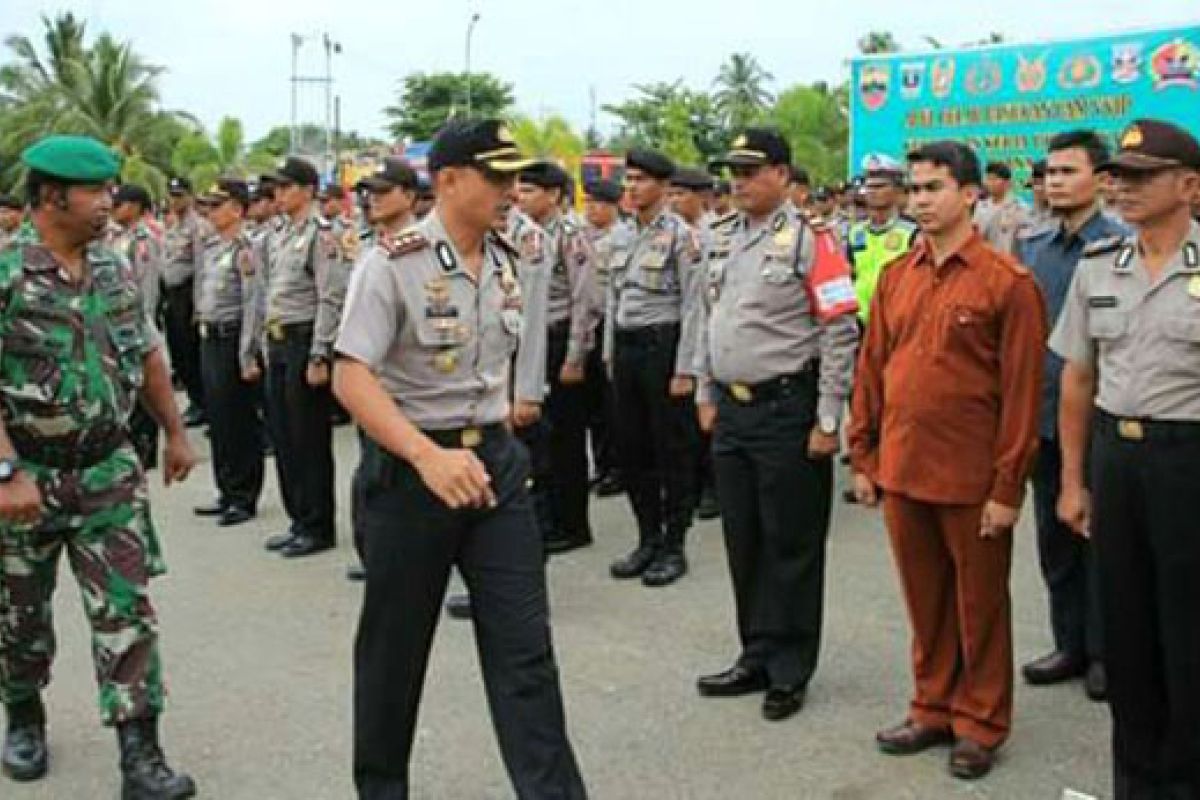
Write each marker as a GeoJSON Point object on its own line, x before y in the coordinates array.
{"type": "Point", "coordinates": [356, 573]}
{"type": "Point", "coordinates": [665, 570]}
{"type": "Point", "coordinates": [567, 542]}
{"type": "Point", "coordinates": [194, 417]}
{"type": "Point", "coordinates": [610, 486]}
{"type": "Point", "coordinates": [782, 702]}
{"type": "Point", "coordinates": [281, 540]}
{"type": "Point", "coordinates": [709, 507]}
{"type": "Point", "coordinates": [632, 565]}
{"type": "Point", "coordinates": [305, 546]}
{"type": "Point", "coordinates": [235, 515]}
{"type": "Point", "coordinates": [1054, 668]}
{"type": "Point", "coordinates": [25, 757]}
{"type": "Point", "coordinates": [214, 509]}
{"type": "Point", "coordinates": [458, 606]}
{"type": "Point", "coordinates": [733, 682]}
{"type": "Point", "coordinates": [1095, 683]}
{"type": "Point", "coordinates": [145, 774]}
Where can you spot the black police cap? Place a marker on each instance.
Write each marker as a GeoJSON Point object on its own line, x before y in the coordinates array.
{"type": "Point", "coordinates": [695, 180]}
{"type": "Point", "coordinates": [484, 144]}
{"type": "Point", "coordinates": [298, 171]}
{"type": "Point", "coordinates": [228, 189]}
{"type": "Point", "coordinates": [651, 162]}
{"type": "Point", "coordinates": [1152, 144]}
{"type": "Point", "coordinates": [604, 191]}
{"type": "Point", "coordinates": [545, 174]}
{"type": "Point", "coordinates": [1000, 170]}
{"type": "Point", "coordinates": [395, 173]}
{"type": "Point", "coordinates": [179, 186]}
{"type": "Point", "coordinates": [756, 147]}
{"type": "Point", "coordinates": [132, 193]}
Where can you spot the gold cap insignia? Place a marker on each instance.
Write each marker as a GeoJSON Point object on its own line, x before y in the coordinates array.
{"type": "Point", "coordinates": [503, 135]}
{"type": "Point", "coordinates": [1132, 137]}
{"type": "Point", "coordinates": [740, 141]}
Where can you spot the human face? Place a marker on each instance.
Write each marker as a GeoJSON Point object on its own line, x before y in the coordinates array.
{"type": "Point", "coordinates": [474, 197]}
{"type": "Point", "coordinates": [687, 204]}
{"type": "Point", "coordinates": [126, 213]}
{"type": "Point", "coordinates": [388, 204]}
{"type": "Point", "coordinates": [536, 201]}
{"type": "Point", "coordinates": [1071, 180]}
{"type": "Point", "coordinates": [180, 203]}
{"type": "Point", "coordinates": [997, 187]}
{"type": "Point", "coordinates": [939, 203]}
{"type": "Point", "coordinates": [1147, 197]}
{"type": "Point", "coordinates": [881, 194]}
{"type": "Point", "coordinates": [10, 219]}
{"type": "Point", "coordinates": [292, 197]}
{"type": "Point", "coordinates": [645, 191]}
{"type": "Point", "coordinates": [85, 212]}
{"type": "Point", "coordinates": [800, 195]}
{"type": "Point", "coordinates": [224, 215]}
{"type": "Point", "coordinates": [599, 213]}
{"type": "Point", "coordinates": [759, 190]}
{"type": "Point", "coordinates": [331, 208]}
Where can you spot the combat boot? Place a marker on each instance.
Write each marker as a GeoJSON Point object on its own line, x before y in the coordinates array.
{"type": "Point", "coordinates": [25, 756]}
{"type": "Point", "coordinates": [145, 774]}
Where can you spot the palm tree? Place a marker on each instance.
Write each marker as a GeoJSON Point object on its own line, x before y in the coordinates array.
{"type": "Point", "coordinates": [550, 137]}
{"type": "Point", "coordinates": [878, 42]}
{"type": "Point", "coordinates": [741, 96]}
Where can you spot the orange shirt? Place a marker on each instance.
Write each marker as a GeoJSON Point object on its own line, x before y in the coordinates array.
{"type": "Point", "coordinates": [947, 392]}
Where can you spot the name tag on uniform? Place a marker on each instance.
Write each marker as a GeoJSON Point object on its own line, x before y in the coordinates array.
{"type": "Point", "coordinates": [1102, 302]}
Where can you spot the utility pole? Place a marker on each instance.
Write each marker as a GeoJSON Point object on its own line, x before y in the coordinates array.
{"type": "Point", "coordinates": [470, 30]}
{"type": "Point", "coordinates": [326, 80]}
{"type": "Point", "coordinates": [297, 39]}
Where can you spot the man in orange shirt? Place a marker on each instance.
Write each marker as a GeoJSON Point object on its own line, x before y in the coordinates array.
{"type": "Point", "coordinates": [944, 429]}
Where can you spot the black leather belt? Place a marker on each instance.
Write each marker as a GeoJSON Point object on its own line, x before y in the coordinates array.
{"type": "Point", "coordinates": [665, 333]}
{"type": "Point", "coordinates": [219, 330]}
{"type": "Point", "coordinates": [766, 391]}
{"type": "Point", "coordinates": [282, 331]}
{"type": "Point", "coordinates": [468, 437]}
{"type": "Point", "coordinates": [1132, 429]}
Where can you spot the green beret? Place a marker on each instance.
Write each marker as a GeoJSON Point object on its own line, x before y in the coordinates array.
{"type": "Point", "coordinates": [80, 159]}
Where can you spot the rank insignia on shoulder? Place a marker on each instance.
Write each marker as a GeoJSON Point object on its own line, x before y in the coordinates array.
{"type": "Point", "coordinates": [721, 222]}
{"type": "Point", "coordinates": [406, 241]}
{"type": "Point", "coordinates": [505, 243]}
{"type": "Point", "coordinates": [1100, 247]}
{"type": "Point", "coordinates": [1191, 257]}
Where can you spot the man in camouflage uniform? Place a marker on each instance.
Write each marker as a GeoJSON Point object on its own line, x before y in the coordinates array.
{"type": "Point", "coordinates": [12, 211]}
{"type": "Point", "coordinates": [75, 355]}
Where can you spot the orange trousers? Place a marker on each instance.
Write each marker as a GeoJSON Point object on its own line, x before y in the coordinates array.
{"type": "Point", "coordinates": [956, 588]}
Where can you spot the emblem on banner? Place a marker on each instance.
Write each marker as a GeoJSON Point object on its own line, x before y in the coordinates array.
{"type": "Point", "coordinates": [912, 79]}
{"type": "Point", "coordinates": [1176, 64]}
{"type": "Point", "coordinates": [1080, 72]}
{"type": "Point", "coordinates": [983, 78]}
{"type": "Point", "coordinates": [1127, 62]}
{"type": "Point", "coordinates": [1031, 73]}
{"type": "Point", "coordinates": [873, 85]}
{"type": "Point", "coordinates": [942, 77]}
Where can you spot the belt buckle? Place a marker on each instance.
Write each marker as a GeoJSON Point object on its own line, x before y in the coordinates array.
{"type": "Point", "coordinates": [741, 392]}
{"type": "Point", "coordinates": [472, 437]}
{"type": "Point", "coordinates": [1131, 430]}
{"type": "Point", "coordinates": [204, 330]}
{"type": "Point", "coordinates": [275, 329]}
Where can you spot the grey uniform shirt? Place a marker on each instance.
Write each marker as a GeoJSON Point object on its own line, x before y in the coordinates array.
{"type": "Point", "coordinates": [184, 241]}
{"type": "Point", "coordinates": [306, 279]}
{"type": "Point", "coordinates": [440, 341]}
{"type": "Point", "coordinates": [1000, 223]}
{"type": "Point", "coordinates": [533, 273]}
{"type": "Point", "coordinates": [571, 292]}
{"type": "Point", "coordinates": [1142, 338]}
{"type": "Point", "coordinates": [758, 318]}
{"type": "Point", "coordinates": [227, 289]}
{"type": "Point", "coordinates": [655, 279]}
{"type": "Point", "coordinates": [143, 246]}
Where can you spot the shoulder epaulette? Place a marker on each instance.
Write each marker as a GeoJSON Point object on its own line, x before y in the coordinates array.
{"type": "Point", "coordinates": [409, 240]}
{"type": "Point", "coordinates": [1100, 247]}
{"type": "Point", "coordinates": [721, 222]}
{"type": "Point", "coordinates": [505, 244]}
{"type": "Point", "coordinates": [324, 224]}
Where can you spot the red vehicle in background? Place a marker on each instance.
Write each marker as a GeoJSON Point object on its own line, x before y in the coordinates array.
{"type": "Point", "coordinates": [601, 165]}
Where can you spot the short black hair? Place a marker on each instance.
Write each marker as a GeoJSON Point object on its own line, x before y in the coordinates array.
{"type": "Point", "coordinates": [1000, 170]}
{"type": "Point", "coordinates": [956, 157]}
{"type": "Point", "coordinates": [36, 181]}
{"type": "Point", "coordinates": [1086, 140]}
{"type": "Point", "coordinates": [800, 175]}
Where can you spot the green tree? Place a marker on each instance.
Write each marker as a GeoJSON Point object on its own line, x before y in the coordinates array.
{"type": "Point", "coordinates": [427, 101]}
{"type": "Point", "coordinates": [874, 42]}
{"type": "Point", "coordinates": [678, 142]}
{"type": "Point", "coordinates": [666, 113]}
{"type": "Point", "coordinates": [741, 95]}
{"type": "Point", "coordinates": [815, 122]}
{"type": "Point", "coordinates": [551, 137]}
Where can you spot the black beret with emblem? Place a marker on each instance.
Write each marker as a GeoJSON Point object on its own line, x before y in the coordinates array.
{"type": "Point", "coordinates": [651, 162]}
{"type": "Point", "coordinates": [696, 180]}
{"type": "Point", "coordinates": [1152, 144]}
{"type": "Point", "coordinates": [394, 174]}
{"type": "Point", "coordinates": [228, 189]}
{"type": "Point", "coordinates": [755, 147]}
{"type": "Point", "coordinates": [545, 174]}
{"type": "Point", "coordinates": [178, 186]}
{"type": "Point", "coordinates": [604, 191]}
{"type": "Point", "coordinates": [131, 193]}
{"type": "Point", "coordinates": [299, 171]}
{"type": "Point", "coordinates": [481, 143]}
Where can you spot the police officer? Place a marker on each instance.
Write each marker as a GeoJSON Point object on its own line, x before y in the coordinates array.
{"type": "Point", "coordinates": [76, 354]}
{"type": "Point", "coordinates": [776, 358]}
{"type": "Point", "coordinates": [185, 239]}
{"type": "Point", "coordinates": [1130, 334]}
{"type": "Point", "coordinates": [884, 235]}
{"type": "Point", "coordinates": [305, 288]}
{"type": "Point", "coordinates": [568, 261]}
{"type": "Point", "coordinates": [603, 216]}
{"type": "Point", "coordinates": [12, 211]}
{"type": "Point", "coordinates": [227, 314]}
{"type": "Point", "coordinates": [653, 308]}
{"type": "Point", "coordinates": [1002, 216]}
{"type": "Point", "coordinates": [432, 321]}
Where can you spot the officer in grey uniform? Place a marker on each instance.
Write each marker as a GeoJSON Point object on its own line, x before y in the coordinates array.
{"type": "Point", "coordinates": [185, 240]}
{"type": "Point", "coordinates": [566, 258]}
{"type": "Point", "coordinates": [227, 316]}
{"type": "Point", "coordinates": [653, 308]}
{"type": "Point", "coordinates": [1130, 334]}
{"type": "Point", "coordinates": [776, 359]}
{"type": "Point", "coordinates": [432, 323]}
{"type": "Point", "coordinates": [305, 289]}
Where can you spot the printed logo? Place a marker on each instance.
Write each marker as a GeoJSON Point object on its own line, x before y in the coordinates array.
{"type": "Point", "coordinates": [873, 83]}
{"type": "Point", "coordinates": [1031, 73]}
{"type": "Point", "coordinates": [1127, 62]}
{"type": "Point", "coordinates": [1080, 72]}
{"type": "Point", "coordinates": [1176, 63]}
{"type": "Point", "coordinates": [912, 79]}
{"type": "Point", "coordinates": [984, 78]}
{"type": "Point", "coordinates": [943, 77]}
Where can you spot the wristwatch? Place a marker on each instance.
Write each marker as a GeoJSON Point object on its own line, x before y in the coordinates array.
{"type": "Point", "coordinates": [828, 425]}
{"type": "Point", "coordinates": [8, 470]}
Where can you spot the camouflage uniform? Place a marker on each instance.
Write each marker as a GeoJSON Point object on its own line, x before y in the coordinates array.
{"type": "Point", "coordinates": [71, 363]}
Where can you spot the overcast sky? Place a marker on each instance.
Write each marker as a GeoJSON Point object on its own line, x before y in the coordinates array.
{"type": "Point", "coordinates": [234, 57]}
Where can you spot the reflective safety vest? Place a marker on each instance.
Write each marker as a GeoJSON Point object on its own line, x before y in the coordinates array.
{"type": "Point", "coordinates": [870, 249]}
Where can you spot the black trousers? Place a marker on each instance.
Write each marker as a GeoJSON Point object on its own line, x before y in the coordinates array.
{"type": "Point", "coordinates": [775, 510]}
{"type": "Point", "coordinates": [1068, 565]}
{"type": "Point", "coordinates": [601, 411]}
{"type": "Point", "coordinates": [566, 411]}
{"type": "Point", "coordinates": [411, 539]}
{"type": "Point", "coordinates": [183, 340]}
{"type": "Point", "coordinates": [656, 435]}
{"type": "Point", "coordinates": [234, 428]}
{"type": "Point", "coordinates": [1147, 542]}
{"type": "Point", "coordinates": [302, 431]}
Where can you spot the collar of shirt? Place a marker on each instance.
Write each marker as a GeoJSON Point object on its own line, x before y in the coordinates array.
{"type": "Point", "coordinates": [1096, 227]}
{"type": "Point", "coordinates": [657, 223]}
{"type": "Point", "coordinates": [434, 230]}
{"type": "Point", "coordinates": [971, 251]}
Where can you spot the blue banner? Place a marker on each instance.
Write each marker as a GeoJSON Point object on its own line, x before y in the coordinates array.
{"type": "Point", "coordinates": [1006, 101]}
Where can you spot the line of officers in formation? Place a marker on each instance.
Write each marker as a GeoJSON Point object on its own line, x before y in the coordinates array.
{"type": "Point", "coordinates": [741, 331]}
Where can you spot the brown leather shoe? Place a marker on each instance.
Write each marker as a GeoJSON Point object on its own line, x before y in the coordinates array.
{"type": "Point", "coordinates": [909, 738]}
{"type": "Point", "coordinates": [970, 760]}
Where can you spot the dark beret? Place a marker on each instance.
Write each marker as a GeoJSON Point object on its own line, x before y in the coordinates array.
{"type": "Point", "coordinates": [651, 162]}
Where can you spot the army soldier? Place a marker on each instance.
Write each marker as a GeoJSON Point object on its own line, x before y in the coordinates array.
{"type": "Point", "coordinates": [305, 280]}
{"type": "Point", "coordinates": [1002, 215]}
{"type": "Point", "coordinates": [185, 239]}
{"type": "Point", "coordinates": [76, 353]}
{"type": "Point", "coordinates": [885, 235]}
{"type": "Point", "coordinates": [12, 212]}
{"type": "Point", "coordinates": [776, 357]}
{"type": "Point", "coordinates": [136, 235]}
{"type": "Point", "coordinates": [432, 322]}
{"type": "Point", "coordinates": [1068, 563]}
{"type": "Point", "coordinates": [650, 340]}
{"type": "Point", "coordinates": [568, 261]}
{"type": "Point", "coordinates": [227, 310]}
{"type": "Point", "coordinates": [1130, 334]}
{"type": "Point", "coordinates": [603, 216]}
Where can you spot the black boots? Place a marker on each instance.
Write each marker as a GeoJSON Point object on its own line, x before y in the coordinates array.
{"type": "Point", "coordinates": [25, 757]}
{"type": "Point", "coordinates": [144, 771]}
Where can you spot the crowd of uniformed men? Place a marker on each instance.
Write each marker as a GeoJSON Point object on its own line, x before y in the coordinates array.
{"type": "Point", "coordinates": [690, 342]}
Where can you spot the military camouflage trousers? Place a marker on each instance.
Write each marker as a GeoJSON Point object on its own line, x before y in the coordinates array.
{"type": "Point", "coordinates": [101, 516]}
